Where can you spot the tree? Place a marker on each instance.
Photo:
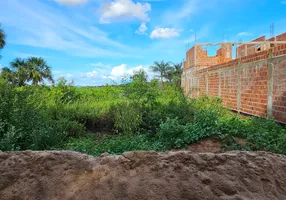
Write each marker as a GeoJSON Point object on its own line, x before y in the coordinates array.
{"type": "Point", "coordinates": [2, 38]}
{"type": "Point", "coordinates": [169, 75]}
{"type": "Point", "coordinates": [161, 68]}
{"type": "Point", "coordinates": [173, 74]}
{"type": "Point", "coordinates": [138, 87]}
{"type": "Point", "coordinates": [139, 76]}
{"type": "Point", "coordinates": [38, 70]}
{"type": "Point", "coordinates": [20, 71]}
{"type": "Point", "coordinates": [7, 75]}
{"type": "Point", "coordinates": [178, 70]}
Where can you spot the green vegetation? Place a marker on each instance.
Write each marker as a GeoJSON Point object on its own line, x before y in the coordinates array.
{"type": "Point", "coordinates": [2, 38]}
{"type": "Point", "coordinates": [136, 115]}
{"type": "Point", "coordinates": [168, 71]}
{"type": "Point", "coordinates": [22, 71]}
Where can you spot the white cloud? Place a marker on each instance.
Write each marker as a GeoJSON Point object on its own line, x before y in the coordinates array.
{"type": "Point", "coordinates": [244, 34]}
{"type": "Point", "coordinates": [124, 9]}
{"type": "Point", "coordinates": [118, 72]}
{"type": "Point", "coordinates": [283, 2]}
{"type": "Point", "coordinates": [142, 29]}
{"type": "Point", "coordinates": [99, 64]}
{"type": "Point", "coordinates": [92, 74]}
{"type": "Point", "coordinates": [100, 76]}
{"type": "Point", "coordinates": [51, 29]}
{"type": "Point", "coordinates": [164, 33]}
{"type": "Point", "coordinates": [115, 74]}
{"type": "Point", "coordinates": [68, 75]}
{"type": "Point", "coordinates": [71, 2]}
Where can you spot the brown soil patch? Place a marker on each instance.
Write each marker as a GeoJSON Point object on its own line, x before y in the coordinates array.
{"type": "Point", "coordinates": [242, 142]}
{"type": "Point", "coordinates": [205, 146]}
{"type": "Point", "coordinates": [142, 176]}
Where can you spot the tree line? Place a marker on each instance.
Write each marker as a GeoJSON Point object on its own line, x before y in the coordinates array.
{"type": "Point", "coordinates": [23, 71]}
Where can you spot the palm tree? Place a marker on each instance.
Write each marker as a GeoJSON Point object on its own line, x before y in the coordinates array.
{"type": "Point", "coordinates": [2, 38]}
{"type": "Point", "coordinates": [169, 75]}
{"type": "Point", "coordinates": [178, 70]}
{"type": "Point", "coordinates": [161, 68]}
{"type": "Point", "coordinates": [7, 75]}
{"type": "Point", "coordinates": [19, 66]}
{"type": "Point", "coordinates": [38, 70]}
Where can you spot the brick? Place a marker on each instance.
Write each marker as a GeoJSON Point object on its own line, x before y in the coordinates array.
{"type": "Point", "coordinates": [254, 80]}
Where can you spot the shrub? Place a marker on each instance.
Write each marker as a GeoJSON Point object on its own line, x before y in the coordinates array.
{"type": "Point", "coordinates": [171, 133]}
{"type": "Point", "coordinates": [128, 117]}
{"type": "Point", "coordinates": [8, 139]}
{"type": "Point", "coordinates": [205, 122]}
{"type": "Point", "coordinates": [24, 124]}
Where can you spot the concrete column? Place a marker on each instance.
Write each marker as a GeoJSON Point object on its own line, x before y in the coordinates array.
{"type": "Point", "coordinates": [270, 91]}
{"type": "Point", "coordinates": [239, 89]}
{"type": "Point", "coordinates": [198, 86]}
{"type": "Point", "coordinates": [195, 55]}
{"type": "Point", "coordinates": [207, 84]}
{"type": "Point", "coordinates": [219, 84]}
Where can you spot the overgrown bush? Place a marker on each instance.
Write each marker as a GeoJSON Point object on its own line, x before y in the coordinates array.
{"type": "Point", "coordinates": [171, 133]}
{"type": "Point", "coordinates": [24, 124]}
{"type": "Point", "coordinates": [139, 115]}
{"type": "Point", "coordinates": [128, 117]}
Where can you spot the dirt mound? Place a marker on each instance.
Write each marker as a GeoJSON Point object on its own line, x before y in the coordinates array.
{"type": "Point", "coordinates": [142, 175]}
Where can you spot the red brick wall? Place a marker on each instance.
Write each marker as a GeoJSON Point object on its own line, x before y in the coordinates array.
{"type": "Point", "coordinates": [244, 84]}
{"type": "Point", "coordinates": [197, 57]}
{"type": "Point", "coordinates": [224, 54]}
{"type": "Point", "coordinates": [202, 58]}
{"type": "Point", "coordinates": [190, 58]}
{"type": "Point", "coordinates": [248, 49]}
{"type": "Point", "coordinates": [202, 85]}
{"type": "Point", "coordinates": [229, 88]}
{"type": "Point", "coordinates": [254, 89]}
{"type": "Point", "coordinates": [279, 90]}
{"type": "Point", "coordinates": [281, 37]}
{"type": "Point", "coordinates": [213, 83]}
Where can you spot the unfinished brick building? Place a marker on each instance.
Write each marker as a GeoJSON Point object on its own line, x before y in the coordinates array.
{"type": "Point", "coordinates": [253, 83]}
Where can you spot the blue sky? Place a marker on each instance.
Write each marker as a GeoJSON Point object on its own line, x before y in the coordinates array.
{"type": "Point", "coordinates": [95, 42]}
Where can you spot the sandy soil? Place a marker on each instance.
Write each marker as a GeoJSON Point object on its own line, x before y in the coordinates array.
{"type": "Point", "coordinates": [206, 146]}
{"type": "Point", "coordinates": [142, 176]}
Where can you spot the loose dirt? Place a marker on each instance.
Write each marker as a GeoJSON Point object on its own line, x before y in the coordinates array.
{"type": "Point", "coordinates": [206, 146]}
{"type": "Point", "coordinates": [142, 176]}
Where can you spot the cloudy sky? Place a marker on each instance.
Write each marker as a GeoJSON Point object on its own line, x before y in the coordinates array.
{"type": "Point", "coordinates": [94, 42]}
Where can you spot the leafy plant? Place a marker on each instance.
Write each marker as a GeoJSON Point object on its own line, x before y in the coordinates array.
{"type": "Point", "coordinates": [171, 133]}
{"type": "Point", "coordinates": [128, 118]}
